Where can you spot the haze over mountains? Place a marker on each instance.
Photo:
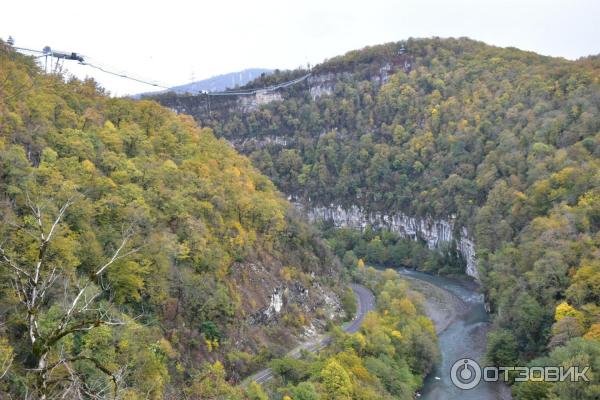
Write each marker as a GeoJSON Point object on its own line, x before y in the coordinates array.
{"type": "Point", "coordinates": [216, 83]}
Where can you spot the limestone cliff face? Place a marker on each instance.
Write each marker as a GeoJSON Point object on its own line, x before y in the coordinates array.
{"type": "Point", "coordinates": [434, 232]}
{"type": "Point", "coordinates": [203, 107]}
{"type": "Point", "coordinates": [253, 102]}
{"type": "Point", "coordinates": [324, 84]}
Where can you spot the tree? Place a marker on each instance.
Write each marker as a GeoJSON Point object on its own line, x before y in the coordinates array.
{"type": "Point", "coordinates": [210, 384]}
{"type": "Point", "coordinates": [361, 264]}
{"type": "Point", "coordinates": [6, 357]}
{"type": "Point", "coordinates": [291, 369]}
{"type": "Point", "coordinates": [336, 381]}
{"type": "Point", "coordinates": [564, 330]}
{"type": "Point", "coordinates": [564, 310]}
{"type": "Point", "coordinates": [304, 391]}
{"type": "Point", "coordinates": [376, 251]}
{"type": "Point", "coordinates": [501, 348]}
{"type": "Point", "coordinates": [34, 275]}
{"type": "Point", "coordinates": [532, 390]}
{"type": "Point", "coordinates": [349, 259]}
{"type": "Point", "coordinates": [578, 353]}
{"type": "Point", "coordinates": [255, 392]}
{"type": "Point", "coordinates": [585, 286]}
{"type": "Point", "coordinates": [400, 254]}
{"type": "Point", "coordinates": [348, 300]}
{"type": "Point", "coordinates": [593, 333]}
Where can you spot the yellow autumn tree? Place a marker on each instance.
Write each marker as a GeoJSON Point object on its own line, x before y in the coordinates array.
{"type": "Point", "coordinates": [565, 310]}
{"type": "Point", "coordinates": [336, 382]}
{"type": "Point", "coordinates": [593, 333]}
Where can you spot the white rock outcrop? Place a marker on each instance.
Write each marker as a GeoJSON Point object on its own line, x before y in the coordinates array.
{"type": "Point", "coordinates": [324, 84]}
{"type": "Point", "coordinates": [252, 102]}
{"type": "Point", "coordinates": [276, 303]}
{"type": "Point", "coordinates": [434, 232]}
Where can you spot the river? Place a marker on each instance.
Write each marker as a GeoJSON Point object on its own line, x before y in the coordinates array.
{"type": "Point", "coordinates": [457, 309]}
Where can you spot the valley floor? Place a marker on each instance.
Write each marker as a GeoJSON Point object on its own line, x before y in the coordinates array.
{"type": "Point", "coordinates": [461, 324]}
{"type": "Point", "coordinates": [441, 306]}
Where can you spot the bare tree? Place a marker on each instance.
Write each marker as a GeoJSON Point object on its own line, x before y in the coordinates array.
{"type": "Point", "coordinates": [32, 283]}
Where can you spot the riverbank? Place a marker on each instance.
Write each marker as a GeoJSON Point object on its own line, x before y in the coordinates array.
{"type": "Point", "coordinates": [457, 310]}
{"type": "Point", "coordinates": [441, 306]}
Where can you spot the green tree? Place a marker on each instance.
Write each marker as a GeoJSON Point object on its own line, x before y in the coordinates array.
{"type": "Point", "coordinates": [255, 392]}
{"type": "Point", "coordinates": [304, 391]}
{"type": "Point", "coordinates": [336, 381]}
{"type": "Point", "coordinates": [376, 251]}
{"type": "Point", "coordinates": [501, 348]}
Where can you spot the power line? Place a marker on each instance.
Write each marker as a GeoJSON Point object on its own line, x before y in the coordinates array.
{"type": "Point", "coordinates": [83, 61]}
{"type": "Point", "coordinates": [223, 93]}
{"type": "Point", "coordinates": [239, 92]}
{"type": "Point", "coordinates": [26, 49]}
{"type": "Point", "coordinates": [123, 75]}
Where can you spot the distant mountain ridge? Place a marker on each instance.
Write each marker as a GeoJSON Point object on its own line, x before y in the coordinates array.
{"type": "Point", "coordinates": [216, 83]}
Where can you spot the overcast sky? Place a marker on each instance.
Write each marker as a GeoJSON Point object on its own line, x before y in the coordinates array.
{"type": "Point", "coordinates": [172, 41]}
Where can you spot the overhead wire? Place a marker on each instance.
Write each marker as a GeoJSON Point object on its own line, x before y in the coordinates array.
{"type": "Point", "coordinates": [237, 92]}
{"type": "Point", "coordinates": [26, 49]}
{"type": "Point", "coordinates": [123, 75]}
{"type": "Point", "coordinates": [264, 89]}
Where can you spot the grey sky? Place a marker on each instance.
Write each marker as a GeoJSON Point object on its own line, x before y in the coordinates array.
{"type": "Point", "coordinates": [168, 41]}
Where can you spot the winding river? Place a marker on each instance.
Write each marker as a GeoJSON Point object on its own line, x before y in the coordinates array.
{"type": "Point", "coordinates": [458, 310]}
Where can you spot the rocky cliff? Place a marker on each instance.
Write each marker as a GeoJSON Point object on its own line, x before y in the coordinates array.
{"type": "Point", "coordinates": [434, 232]}
{"type": "Point", "coordinates": [321, 82]}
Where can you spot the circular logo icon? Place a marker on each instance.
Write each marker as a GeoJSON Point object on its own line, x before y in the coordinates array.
{"type": "Point", "coordinates": [465, 374]}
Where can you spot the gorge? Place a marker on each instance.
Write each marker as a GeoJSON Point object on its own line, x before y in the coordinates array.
{"type": "Point", "coordinates": [433, 232]}
{"type": "Point", "coordinates": [450, 141]}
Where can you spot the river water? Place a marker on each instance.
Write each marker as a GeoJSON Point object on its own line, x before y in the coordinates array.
{"type": "Point", "coordinates": [464, 337]}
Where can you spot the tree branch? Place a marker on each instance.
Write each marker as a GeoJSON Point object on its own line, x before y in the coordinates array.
{"type": "Point", "coordinates": [116, 255]}
{"type": "Point", "coordinates": [7, 260]}
{"type": "Point", "coordinates": [6, 368]}
{"type": "Point", "coordinates": [61, 212]}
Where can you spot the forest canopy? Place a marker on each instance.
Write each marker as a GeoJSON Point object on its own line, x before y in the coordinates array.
{"type": "Point", "coordinates": [138, 253]}
{"type": "Point", "coordinates": [504, 142]}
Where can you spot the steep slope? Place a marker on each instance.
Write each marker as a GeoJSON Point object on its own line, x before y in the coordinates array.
{"type": "Point", "coordinates": [387, 358]}
{"type": "Point", "coordinates": [135, 247]}
{"type": "Point", "coordinates": [451, 140]}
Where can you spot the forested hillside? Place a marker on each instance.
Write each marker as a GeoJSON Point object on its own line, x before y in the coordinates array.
{"type": "Point", "coordinates": [387, 359]}
{"type": "Point", "coordinates": [140, 257]}
{"type": "Point", "coordinates": [138, 253]}
{"type": "Point", "coordinates": [506, 143]}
